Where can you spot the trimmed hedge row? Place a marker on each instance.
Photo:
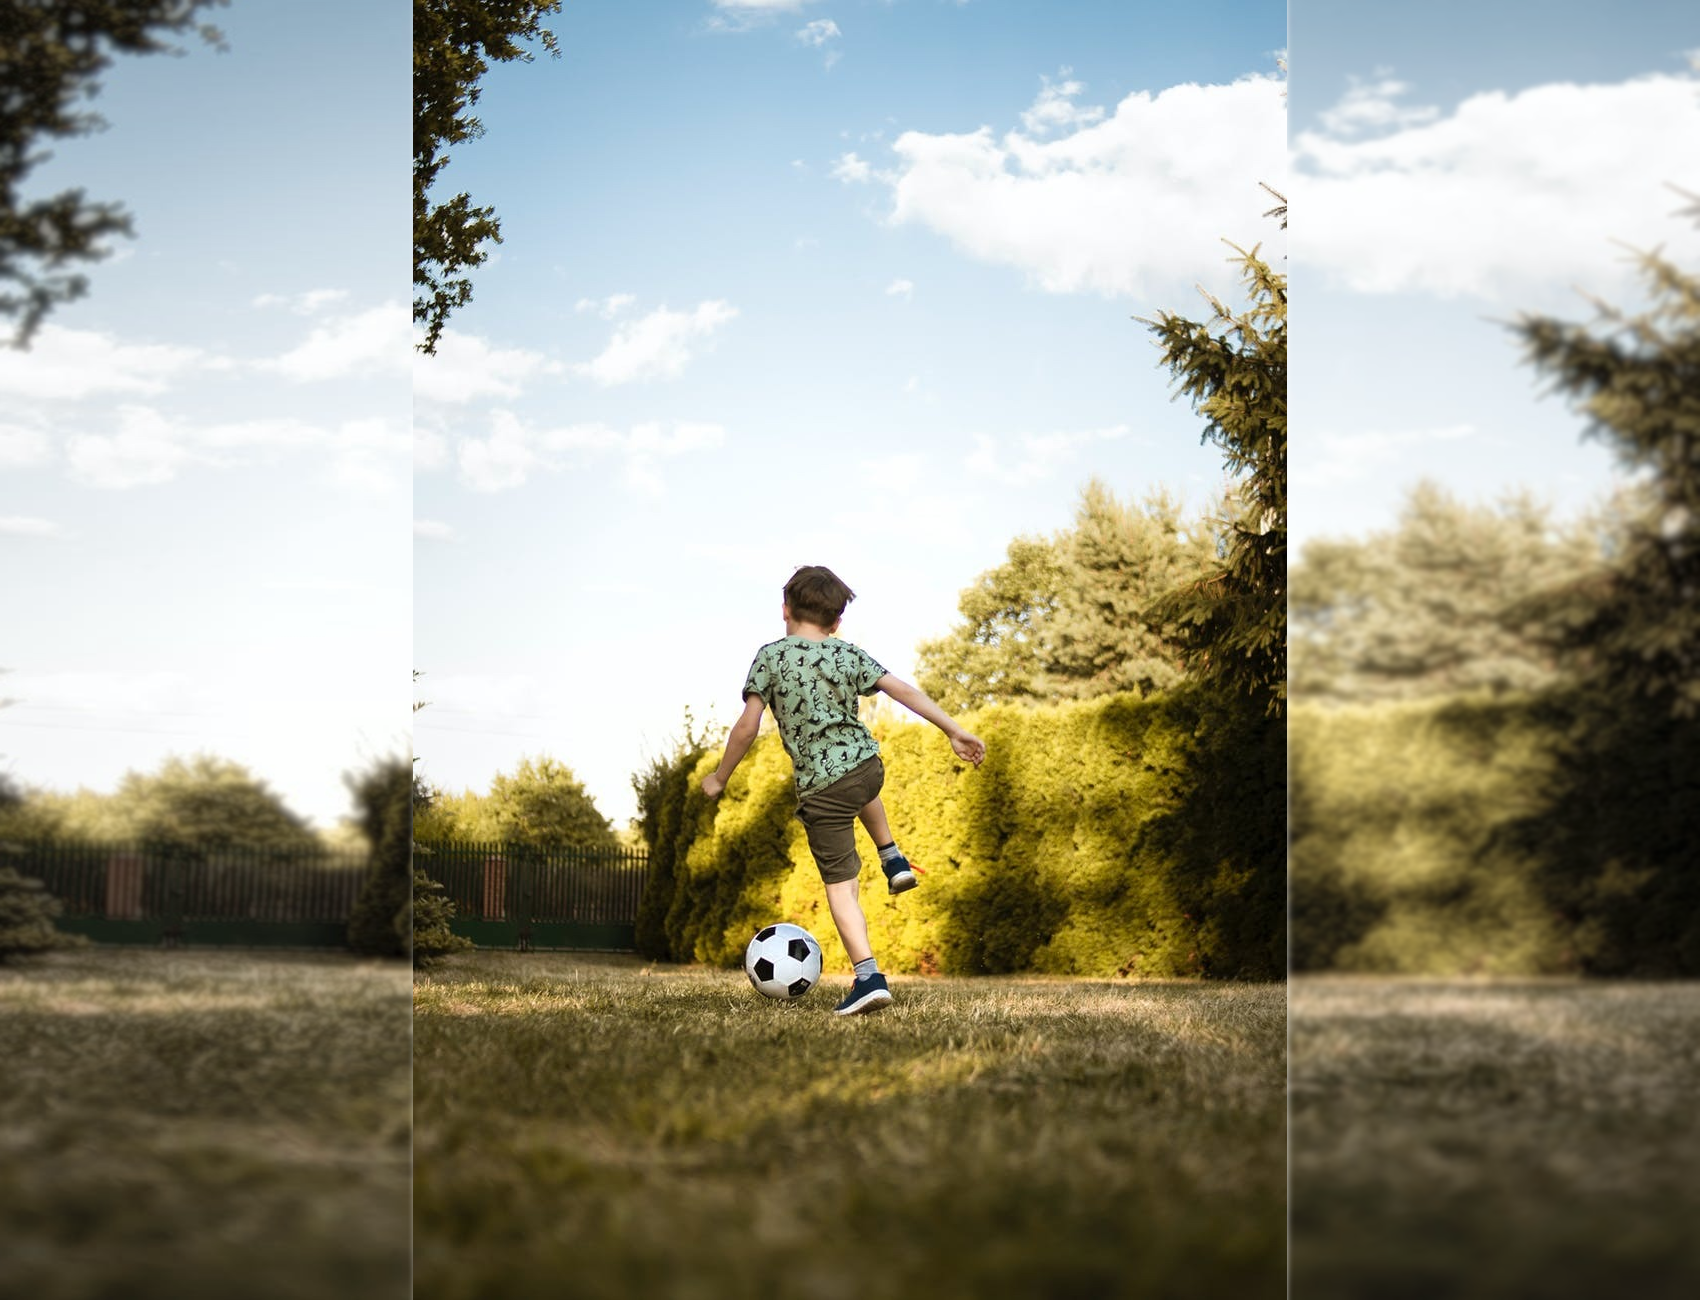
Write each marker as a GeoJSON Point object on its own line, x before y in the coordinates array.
{"type": "Point", "coordinates": [1525, 836]}
{"type": "Point", "coordinates": [1112, 836]}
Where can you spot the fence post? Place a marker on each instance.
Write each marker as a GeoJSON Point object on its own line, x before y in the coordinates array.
{"type": "Point", "coordinates": [525, 876]}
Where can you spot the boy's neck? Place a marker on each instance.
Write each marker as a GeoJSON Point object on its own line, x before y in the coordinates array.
{"type": "Point", "coordinates": [808, 631]}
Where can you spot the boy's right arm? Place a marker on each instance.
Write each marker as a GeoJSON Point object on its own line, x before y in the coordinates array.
{"type": "Point", "coordinates": [738, 742]}
{"type": "Point", "coordinates": [969, 747]}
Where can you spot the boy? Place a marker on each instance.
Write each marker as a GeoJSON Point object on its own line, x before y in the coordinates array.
{"type": "Point", "coordinates": [812, 683]}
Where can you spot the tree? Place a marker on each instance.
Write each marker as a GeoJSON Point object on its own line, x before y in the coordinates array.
{"type": "Point", "coordinates": [1231, 624]}
{"type": "Point", "coordinates": [453, 42]}
{"type": "Point", "coordinates": [1063, 617]}
{"type": "Point", "coordinates": [541, 803]}
{"type": "Point", "coordinates": [26, 908]}
{"type": "Point", "coordinates": [381, 922]}
{"type": "Point", "coordinates": [1637, 378]}
{"type": "Point", "coordinates": [1445, 602]}
{"type": "Point", "coordinates": [208, 801]}
{"type": "Point", "coordinates": [51, 57]}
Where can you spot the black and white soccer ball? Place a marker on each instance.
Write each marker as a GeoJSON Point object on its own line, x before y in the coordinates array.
{"type": "Point", "coordinates": [783, 961]}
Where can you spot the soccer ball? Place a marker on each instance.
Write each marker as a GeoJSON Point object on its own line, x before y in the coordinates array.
{"type": "Point", "coordinates": [783, 961]}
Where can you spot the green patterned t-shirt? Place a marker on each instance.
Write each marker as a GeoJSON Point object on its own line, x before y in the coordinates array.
{"type": "Point", "coordinates": [812, 688]}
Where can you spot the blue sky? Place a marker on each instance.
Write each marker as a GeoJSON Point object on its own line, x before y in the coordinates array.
{"type": "Point", "coordinates": [204, 487]}
{"type": "Point", "coordinates": [1455, 165]}
{"type": "Point", "coordinates": [840, 283]}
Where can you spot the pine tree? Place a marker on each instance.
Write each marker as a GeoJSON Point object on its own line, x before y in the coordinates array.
{"type": "Point", "coordinates": [26, 917]}
{"type": "Point", "coordinates": [1231, 624]}
{"type": "Point", "coordinates": [1637, 378]}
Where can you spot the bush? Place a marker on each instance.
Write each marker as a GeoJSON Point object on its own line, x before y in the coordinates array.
{"type": "Point", "coordinates": [26, 917]}
{"type": "Point", "coordinates": [1118, 835]}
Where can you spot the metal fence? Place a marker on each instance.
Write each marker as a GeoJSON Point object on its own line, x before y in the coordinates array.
{"type": "Point", "coordinates": [173, 893]}
{"type": "Point", "coordinates": [517, 896]}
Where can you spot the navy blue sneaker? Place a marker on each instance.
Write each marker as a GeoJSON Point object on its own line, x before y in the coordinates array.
{"type": "Point", "coordinates": [899, 875]}
{"type": "Point", "coordinates": [867, 994]}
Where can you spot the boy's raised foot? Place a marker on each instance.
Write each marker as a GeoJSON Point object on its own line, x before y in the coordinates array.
{"type": "Point", "coordinates": [869, 993]}
{"type": "Point", "coordinates": [899, 875]}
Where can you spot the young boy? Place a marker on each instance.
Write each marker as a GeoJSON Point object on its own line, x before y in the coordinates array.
{"type": "Point", "coordinates": [811, 681]}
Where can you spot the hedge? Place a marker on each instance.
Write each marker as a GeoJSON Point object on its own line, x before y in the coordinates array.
{"type": "Point", "coordinates": [1512, 836]}
{"type": "Point", "coordinates": [1116, 836]}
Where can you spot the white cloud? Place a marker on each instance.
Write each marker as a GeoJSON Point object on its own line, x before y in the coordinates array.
{"type": "Point", "coordinates": [309, 303]}
{"type": "Point", "coordinates": [819, 32]}
{"type": "Point", "coordinates": [852, 170]}
{"type": "Point", "coordinates": [900, 289]}
{"type": "Point", "coordinates": [368, 456]}
{"type": "Point", "coordinates": [146, 449]}
{"type": "Point", "coordinates": [466, 366]}
{"type": "Point", "coordinates": [1055, 109]}
{"type": "Point", "coordinates": [1343, 458]}
{"type": "Point", "coordinates": [378, 339]}
{"type": "Point", "coordinates": [67, 364]}
{"type": "Point", "coordinates": [1507, 198]}
{"type": "Point", "coordinates": [22, 448]}
{"type": "Point", "coordinates": [434, 530]}
{"type": "Point", "coordinates": [656, 346]}
{"type": "Point", "coordinates": [512, 450]}
{"type": "Point", "coordinates": [430, 448]}
{"type": "Point", "coordinates": [1036, 456]}
{"type": "Point", "coordinates": [607, 308]}
{"type": "Point", "coordinates": [1131, 205]}
{"type": "Point", "coordinates": [29, 526]}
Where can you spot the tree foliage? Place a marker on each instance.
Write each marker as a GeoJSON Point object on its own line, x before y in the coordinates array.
{"type": "Point", "coordinates": [1450, 600]}
{"type": "Point", "coordinates": [208, 801]}
{"type": "Point", "coordinates": [381, 922]}
{"type": "Point", "coordinates": [1231, 624]}
{"type": "Point", "coordinates": [1063, 617]}
{"type": "Point", "coordinates": [540, 803]}
{"type": "Point", "coordinates": [1637, 378]}
{"type": "Point", "coordinates": [51, 58]}
{"type": "Point", "coordinates": [454, 42]}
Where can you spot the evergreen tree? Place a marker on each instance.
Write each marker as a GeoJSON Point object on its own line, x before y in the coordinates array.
{"type": "Point", "coordinates": [26, 908]}
{"type": "Point", "coordinates": [51, 57]}
{"type": "Point", "coordinates": [1637, 377]}
{"type": "Point", "coordinates": [1063, 617]}
{"type": "Point", "coordinates": [1231, 624]}
{"type": "Point", "coordinates": [432, 909]}
{"type": "Point", "coordinates": [453, 42]}
{"type": "Point", "coordinates": [1446, 601]}
{"type": "Point", "coordinates": [381, 923]}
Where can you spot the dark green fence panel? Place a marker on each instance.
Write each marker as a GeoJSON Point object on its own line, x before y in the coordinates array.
{"type": "Point", "coordinates": [174, 893]}
{"type": "Point", "coordinates": [517, 896]}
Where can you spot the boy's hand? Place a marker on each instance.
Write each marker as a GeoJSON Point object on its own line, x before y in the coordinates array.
{"type": "Point", "coordinates": [968, 747]}
{"type": "Point", "coordinates": [712, 785]}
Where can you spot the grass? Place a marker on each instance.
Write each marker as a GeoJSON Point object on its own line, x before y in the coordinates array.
{"type": "Point", "coordinates": [592, 1127]}
{"type": "Point", "coordinates": [1506, 1138]}
{"type": "Point", "coordinates": [203, 1124]}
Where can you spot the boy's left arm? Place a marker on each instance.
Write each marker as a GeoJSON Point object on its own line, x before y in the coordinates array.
{"type": "Point", "coordinates": [738, 742]}
{"type": "Point", "coordinates": [968, 747]}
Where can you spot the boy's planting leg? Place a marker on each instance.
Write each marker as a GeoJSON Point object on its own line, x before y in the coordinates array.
{"type": "Point", "coordinates": [899, 875]}
{"type": "Point", "coordinates": [869, 992]}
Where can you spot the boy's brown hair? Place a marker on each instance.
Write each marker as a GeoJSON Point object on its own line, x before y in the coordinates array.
{"type": "Point", "coordinates": [817, 595]}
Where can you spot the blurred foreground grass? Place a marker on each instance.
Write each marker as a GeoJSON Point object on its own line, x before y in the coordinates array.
{"type": "Point", "coordinates": [591, 1127]}
{"type": "Point", "coordinates": [1500, 1138]}
{"type": "Point", "coordinates": [204, 1124]}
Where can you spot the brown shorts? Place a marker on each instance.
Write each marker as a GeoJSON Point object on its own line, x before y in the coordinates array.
{"type": "Point", "coordinates": [829, 817]}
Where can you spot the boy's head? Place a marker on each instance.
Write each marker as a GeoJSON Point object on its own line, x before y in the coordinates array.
{"type": "Point", "coordinates": [817, 595]}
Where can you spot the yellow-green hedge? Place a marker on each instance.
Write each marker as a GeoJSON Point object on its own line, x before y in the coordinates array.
{"type": "Point", "coordinates": [1500, 837]}
{"type": "Point", "coordinates": [1111, 836]}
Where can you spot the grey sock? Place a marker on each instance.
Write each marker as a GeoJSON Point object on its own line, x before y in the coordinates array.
{"type": "Point", "coordinates": [890, 851]}
{"type": "Point", "coordinates": [866, 968]}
